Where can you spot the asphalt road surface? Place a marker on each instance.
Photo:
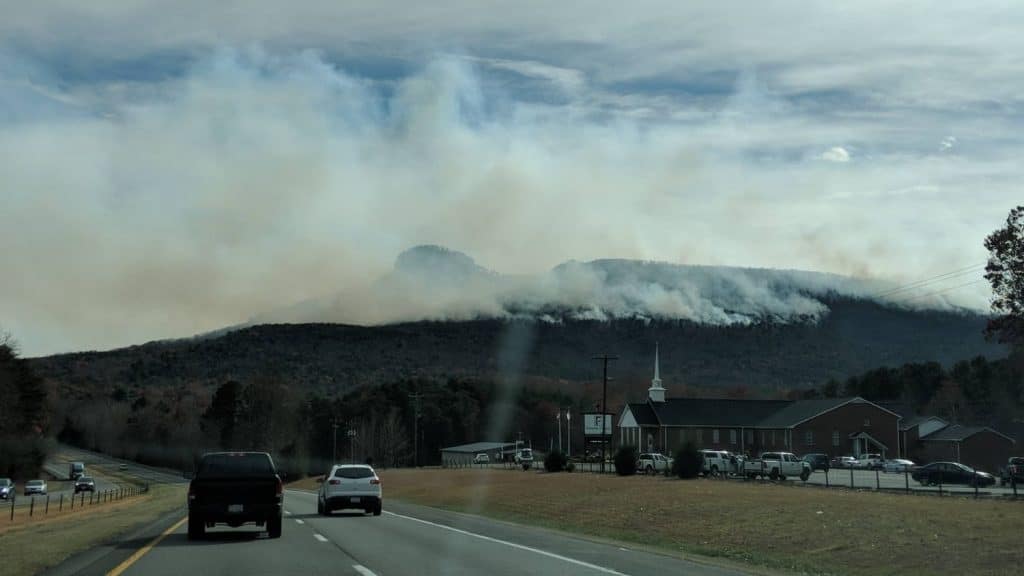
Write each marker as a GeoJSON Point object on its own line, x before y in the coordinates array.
{"type": "Point", "coordinates": [406, 539]}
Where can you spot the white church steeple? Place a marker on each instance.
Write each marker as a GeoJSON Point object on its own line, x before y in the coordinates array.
{"type": "Point", "coordinates": [656, 393]}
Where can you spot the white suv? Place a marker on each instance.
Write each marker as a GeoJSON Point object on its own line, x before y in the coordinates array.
{"type": "Point", "coordinates": [352, 486]}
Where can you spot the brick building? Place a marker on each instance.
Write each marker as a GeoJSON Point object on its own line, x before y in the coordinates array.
{"type": "Point", "coordinates": [976, 446]}
{"type": "Point", "coordinates": [834, 426]}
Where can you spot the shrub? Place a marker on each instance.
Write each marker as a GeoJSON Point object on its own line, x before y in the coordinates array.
{"type": "Point", "coordinates": [625, 461]}
{"type": "Point", "coordinates": [570, 467]}
{"type": "Point", "coordinates": [555, 461]}
{"type": "Point", "coordinates": [688, 461]}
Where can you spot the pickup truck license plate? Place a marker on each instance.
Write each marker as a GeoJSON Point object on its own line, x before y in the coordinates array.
{"type": "Point", "coordinates": [235, 508]}
{"type": "Point", "coordinates": [354, 500]}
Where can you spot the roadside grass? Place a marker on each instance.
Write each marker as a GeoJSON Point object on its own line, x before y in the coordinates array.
{"type": "Point", "coordinates": [787, 527]}
{"type": "Point", "coordinates": [34, 544]}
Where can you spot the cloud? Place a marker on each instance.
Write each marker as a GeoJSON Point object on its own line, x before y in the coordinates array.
{"type": "Point", "coordinates": [835, 154]}
{"type": "Point", "coordinates": [183, 174]}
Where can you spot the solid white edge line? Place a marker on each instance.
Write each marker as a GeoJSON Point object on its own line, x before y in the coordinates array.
{"type": "Point", "coordinates": [363, 570]}
{"type": "Point", "coordinates": [319, 537]}
{"type": "Point", "coordinates": [513, 545]}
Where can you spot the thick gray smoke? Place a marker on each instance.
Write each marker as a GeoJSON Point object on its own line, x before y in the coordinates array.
{"type": "Point", "coordinates": [255, 179]}
{"type": "Point", "coordinates": [435, 283]}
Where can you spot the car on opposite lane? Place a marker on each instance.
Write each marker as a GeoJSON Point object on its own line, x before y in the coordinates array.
{"type": "Point", "coordinates": [952, 473]}
{"type": "Point", "coordinates": [35, 487]}
{"type": "Point", "coordinates": [7, 490]}
{"type": "Point", "coordinates": [350, 486]}
{"type": "Point", "coordinates": [85, 484]}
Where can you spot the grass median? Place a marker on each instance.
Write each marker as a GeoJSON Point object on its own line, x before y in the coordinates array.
{"type": "Point", "coordinates": [34, 544]}
{"type": "Point", "coordinates": [793, 528]}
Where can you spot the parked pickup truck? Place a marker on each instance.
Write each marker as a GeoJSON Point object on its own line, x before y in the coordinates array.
{"type": "Point", "coordinates": [777, 465]}
{"type": "Point", "coordinates": [652, 462]}
{"type": "Point", "coordinates": [869, 462]}
{"type": "Point", "coordinates": [719, 462]}
{"type": "Point", "coordinates": [1013, 472]}
{"type": "Point", "coordinates": [235, 488]}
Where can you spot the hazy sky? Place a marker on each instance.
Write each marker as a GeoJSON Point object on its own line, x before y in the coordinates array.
{"type": "Point", "coordinates": [168, 168]}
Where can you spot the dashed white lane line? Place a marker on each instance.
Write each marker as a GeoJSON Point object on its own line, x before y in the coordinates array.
{"type": "Point", "coordinates": [574, 561]}
{"type": "Point", "coordinates": [297, 521]}
{"type": "Point", "coordinates": [363, 570]}
{"type": "Point", "coordinates": [319, 537]}
{"type": "Point", "coordinates": [287, 513]}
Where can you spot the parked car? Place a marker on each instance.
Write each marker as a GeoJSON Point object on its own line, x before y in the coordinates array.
{"type": "Point", "coordinates": [481, 458]}
{"type": "Point", "coordinates": [35, 487]}
{"type": "Point", "coordinates": [817, 461]}
{"type": "Point", "coordinates": [719, 462]}
{"type": "Point", "coordinates": [952, 473]}
{"type": "Point", "coordinates": [843, 462]}
{"type": "Point", "coordinates": [652, 462]}
{"type": "Point", "coordinates": [524, 458]}
{"type": "Point", "coordinates": [777, 465]}
{"type": "Point", "coordinates": [1013, 472]}
{"type": "Point", "coordinates": [350, 486]}
{"type": "Point", "coordinates": [869, 461]}
{"type": "Point", "coordinates": [6, 489]}
{"type": "Point", "coordinates": [85, 484]}
{"type": "Point", "coordinates": [898, 465]}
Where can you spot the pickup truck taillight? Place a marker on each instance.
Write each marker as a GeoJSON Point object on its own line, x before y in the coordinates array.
{"type": "Point", "coordinates": [334, 481]}
{"type": "Point", "coordinates": [375, 481]}
{"type": "Point", "coordinates": [280, 487]}
{"type": "Point", "coordinates": [191, 492]}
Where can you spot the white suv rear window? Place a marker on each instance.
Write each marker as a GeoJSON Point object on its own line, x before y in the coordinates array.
{"type": "Point", "coordinates": [353, 472]}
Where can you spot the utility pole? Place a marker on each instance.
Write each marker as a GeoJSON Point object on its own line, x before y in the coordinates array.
{"type": "Point", "coordinates": [334, 446]}
{"type": "Point", "coordinates": [559, 420]}
{"type": "Point", "coordinates": [568, 432]}
{"type": "Point", "coordinates": [415, 397]}
{"type": "Point", "coordinates": [604, 358]}
{"type": "Point", "coordinates": [352, 445]}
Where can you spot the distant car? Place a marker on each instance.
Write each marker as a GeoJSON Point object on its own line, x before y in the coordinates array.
{"type": "Point", "coordinates": [868, 461]}
{"type": "Point", "coordinates": [898, 465]}
{"type": "Point", "coordinates": [652, 462]}
{"type": "Point", "coordinates": [122, 466]}
{"type": "Point", "coordinates": [6, 489]}
{"type": "Point", "coordinates": [349, 486]}
{"type": "Point", "coordinates": [843, 462]}
{"type": "Point", "coordinates": [1013, 472]}
{"type": "Point", "coordinates": [524, 458]}
{"type": "Point", "coordinates": [481, 458]}
{"type": "Point", "coordinates": [952, 473]}
{"type": "Point", "coordinates": [85, 484]}
{"type": "Point", "coordinates": [35, 487]}
{"type": "Point", "coordinates": [817, 461]}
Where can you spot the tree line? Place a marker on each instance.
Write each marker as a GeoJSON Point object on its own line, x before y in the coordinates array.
{"type": "Point", "coordinates": [24, 416]}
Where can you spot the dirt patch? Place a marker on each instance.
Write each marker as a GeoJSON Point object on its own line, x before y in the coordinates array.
{"type": "Point", "coordinates": [791, 527]}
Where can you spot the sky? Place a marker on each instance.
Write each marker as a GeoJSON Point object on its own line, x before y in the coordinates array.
{"type": "Point", "coordinates": [170, 168]}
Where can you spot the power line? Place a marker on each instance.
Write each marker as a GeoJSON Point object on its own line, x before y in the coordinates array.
{"type": "Point", "coordinates": [972, 269]}
{"type": "Point", "coordinates": [944, 290]}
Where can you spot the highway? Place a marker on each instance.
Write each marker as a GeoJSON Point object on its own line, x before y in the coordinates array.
{"type": "Point", "coordinates": [406, 539]}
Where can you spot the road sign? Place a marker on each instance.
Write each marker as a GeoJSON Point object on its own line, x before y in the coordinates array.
{"type": "Point", "coordinates": [592, 424]}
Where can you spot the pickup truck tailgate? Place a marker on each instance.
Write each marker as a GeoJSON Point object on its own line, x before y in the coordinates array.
{"type": "Point", "coordinates": [235, 491]}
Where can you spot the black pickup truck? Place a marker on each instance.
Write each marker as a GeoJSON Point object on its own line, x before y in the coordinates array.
{"type": "Point", "coordinates": [235, 488]}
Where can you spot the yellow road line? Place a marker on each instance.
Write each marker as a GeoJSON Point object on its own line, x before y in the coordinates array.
{"type": "Point", "coordinates": [142, 551]}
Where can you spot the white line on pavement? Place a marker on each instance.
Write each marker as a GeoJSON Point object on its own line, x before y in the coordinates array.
{"type": "Point", "coordinates": [297, 521]}
{"type": "Point", "coordinates": [513, 545]}
{"type": "Point", "coordinates": [363, 570]}
{"type": "Point", "coordinates": [319, 537]}
{"type": "Point", "coordinates": [287, 512]}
